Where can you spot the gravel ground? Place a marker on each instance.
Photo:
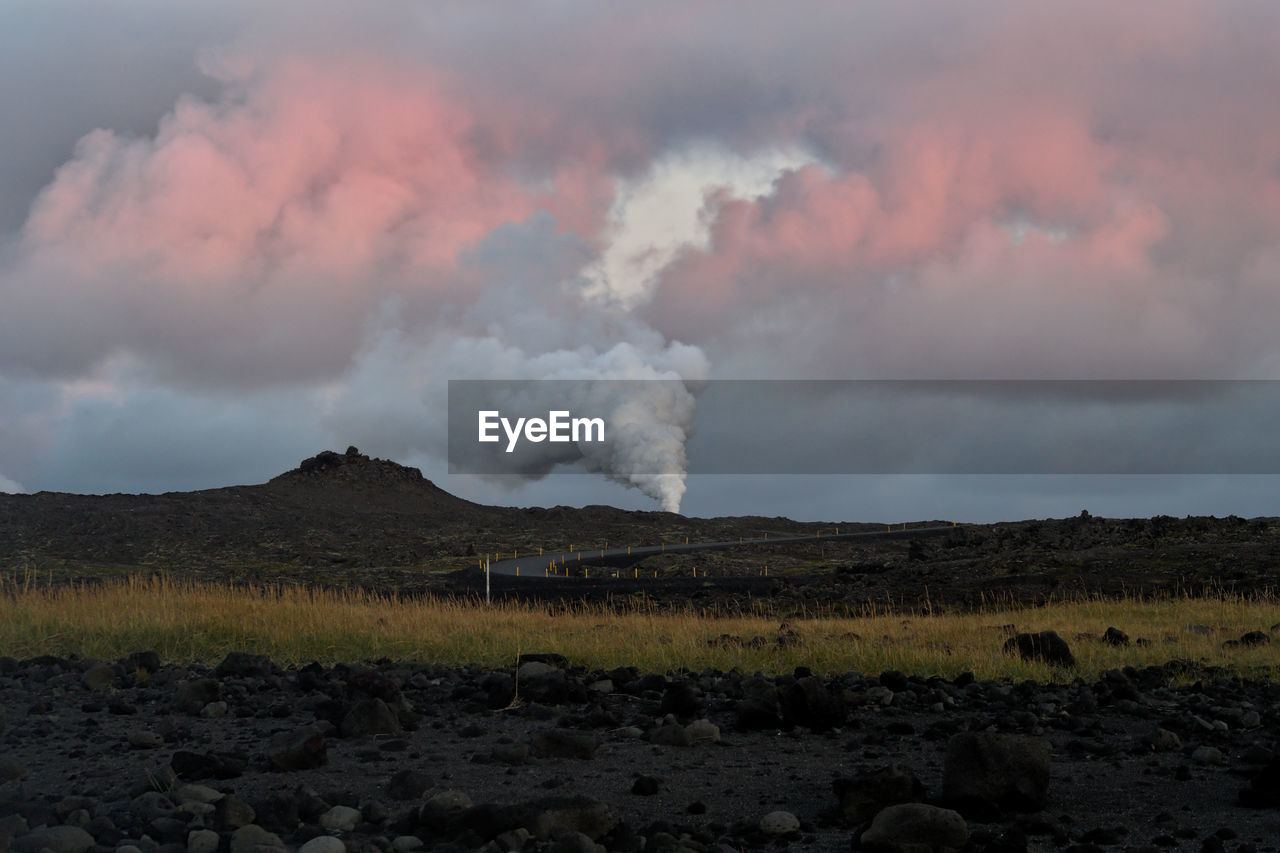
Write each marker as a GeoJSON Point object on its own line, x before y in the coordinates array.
{"type": "Point", "coordinates": [385, 756]}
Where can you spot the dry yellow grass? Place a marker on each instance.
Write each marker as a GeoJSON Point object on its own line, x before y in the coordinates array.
{"type": "Point", "coordinates": [191, 622]}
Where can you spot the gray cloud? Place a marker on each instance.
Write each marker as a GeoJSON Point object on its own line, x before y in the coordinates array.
{"type": "Point", "coordinates": [218, 218]}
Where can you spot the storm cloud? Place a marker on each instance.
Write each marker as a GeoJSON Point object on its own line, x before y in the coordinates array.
{"type": "Point", "coordinates": [234, 232]}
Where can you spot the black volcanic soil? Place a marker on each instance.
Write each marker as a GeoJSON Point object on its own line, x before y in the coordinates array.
{"type": "Point", "coordinates": [1137, 762]}
{"type": "Point", "coordinates": [348, 520]}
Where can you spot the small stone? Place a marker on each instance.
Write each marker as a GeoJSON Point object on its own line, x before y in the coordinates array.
{"type": "Point", "coordinates": [1115, 637]}
{"type": "Point", "coordinates": [908, 826]}
{"type": "Point", "coordinates": [574, 842]}
{"type": "Point", "coordinates": [214, 710]}
{"type": "Point", "coordinates": [407, 784]}
{"type": "Point", "coordinates": [231, 812]}
{"type": "Point", "coordinates": [194, 766]}
{"type": "Point", "coordinates": [511, 753]}
{"type": "Point", "coordinates": [449, 802]}
{"type": "Point", "coordinates": [645, 786]}
{"type": "Point", "coordinates": [703, 730]}
{"type": "Point", "coordinates": [534, 669]}
{"type": "Point", "coordinates": [302, 749]}
{"type": "Point", "coordinates": [370, 717]}
{"type": "Point", "coordinates": [243, 665]}
{"type": "Point", "coordinates": [406, 843]}
{"type": "Point", "coordinates": [549, 818]}
{"type": "Point", "coordinates": [863, 797]}
{"type": "Point", "coordinates": [56, 839]}
{"type": "Point", "coordinates": [565, 743]}
{"type": "Point", "coordinates": [150, 805]}
{"type": "Point", "coordinates": [145, 740]}
{"type": "Point", "coordinates": [1207, 755]}
{"type": "Point", "coordinates": [197, 794]}
{"type": "Point", "coordinates": [194, 695]}
{"type": "Point", "coordinates": [779, 823]}
{"type": "Point", "coordinates": [98, 677]}
{"type": "Point", "coordinates": [251, 837]}
{"type": "Point", "coordinates": [324, 844]}
{"type": "Point", "coordinates": [672, 734]}
{"type": "Point", "coordinates": [341, 818]}
{"type": "Point", "coordinates": [202, 841]}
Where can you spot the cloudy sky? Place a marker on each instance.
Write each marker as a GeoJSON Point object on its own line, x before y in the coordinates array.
{"type": "Point", "coordinates": [233, 234]}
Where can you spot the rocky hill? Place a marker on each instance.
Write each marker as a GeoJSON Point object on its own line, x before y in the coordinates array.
{"type": "Point", "coordinates": [334, 511]}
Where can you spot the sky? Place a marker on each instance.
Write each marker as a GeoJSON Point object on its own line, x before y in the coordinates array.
{"type": "Point", "coordinates": [233, 234]}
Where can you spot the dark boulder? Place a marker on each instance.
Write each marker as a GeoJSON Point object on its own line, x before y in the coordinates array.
{"type": "Point", "coordinates": [1046, 647]}
{"type": "Point", "coordinates": [865, 795]}
{"type": "Point", "coordinates": [1115, 637]}
{"type": "Point", "coordinates": [986, 774]}
{"type": "Point", "coordinates": [244, 665]}
{"type": "Point", "coordinates": [807, 702]}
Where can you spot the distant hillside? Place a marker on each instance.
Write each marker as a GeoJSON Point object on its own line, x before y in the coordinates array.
{"type": "Point", "coordinates": [333, 510]}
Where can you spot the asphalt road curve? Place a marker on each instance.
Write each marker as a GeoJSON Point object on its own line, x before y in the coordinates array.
{"type": "Point", "coordinates": [535, 565]}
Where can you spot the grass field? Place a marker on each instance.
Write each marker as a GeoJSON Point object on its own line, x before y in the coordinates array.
{"type": "Point", "coordinates": [201, 623]}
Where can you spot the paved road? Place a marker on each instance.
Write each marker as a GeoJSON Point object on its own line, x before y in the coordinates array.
{"type": "Point", "coordinates": [536, 565]}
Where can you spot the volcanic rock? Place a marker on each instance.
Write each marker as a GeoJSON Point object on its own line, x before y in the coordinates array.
{"type": "Point", "coordinates": [1115, 637]}
{"type": "Point", "coordinates": [370, 717]}
{"type": "Point", "coordinates": [243, 665]}
{"type": "Point", "coordinates": [779, 823]}
{"type": "Point", "coordinates": [564, 743]}
{"type": "Point", "coordinates": [988, 773]}
{"type": "Point", "coordinates": [303, 749]}
{"type": "Point", "coordinates": [252, 838]}
{"type": "Point", "coordinates": [1045, 646]}
{"type": "Point", "coordinates": [911, 826]}
{"type": "Point", "coordinates": [55, 839]}
{"type": "Point", "coordinates": [863, 797]}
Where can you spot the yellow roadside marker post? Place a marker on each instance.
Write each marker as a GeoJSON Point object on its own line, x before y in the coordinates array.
{"type": "Point", "coordinates": [517, 571]}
